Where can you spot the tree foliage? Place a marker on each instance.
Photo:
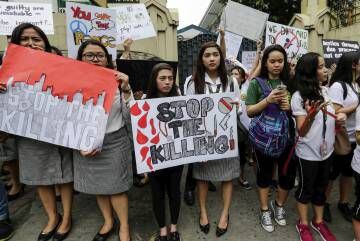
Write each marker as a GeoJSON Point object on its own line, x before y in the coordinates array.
{"type": "Point", "coordinates": [281, 11]}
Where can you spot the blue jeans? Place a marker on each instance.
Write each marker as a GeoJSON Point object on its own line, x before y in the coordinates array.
{"type": "Point", "coordinates": [4, 209]}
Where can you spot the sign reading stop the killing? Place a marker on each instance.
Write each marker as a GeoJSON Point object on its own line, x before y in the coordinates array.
{"type": "Point", "coordinates": [174, 131]}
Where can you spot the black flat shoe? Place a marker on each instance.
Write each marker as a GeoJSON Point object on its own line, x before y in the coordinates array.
{"type": "Point", "coordinates": [47, 236]}
{"type": "Point", "coordinates": [62, 236]}
{"type": "Point", "coordinates": [16, 195]}
{"type": "Point", "coordinates": [104, 236]}
{"type": "Point", "coordinates": [204, 228]}
{"type": "Point", "coordinates": [222, 231]}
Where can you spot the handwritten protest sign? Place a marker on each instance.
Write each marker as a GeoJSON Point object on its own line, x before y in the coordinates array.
{"type": "Point", "coordinates": [133, 21]}
{"type": "Point", "coordinates": [173, 131]}
{"type": "Point", "coordinates": [333, 49]}
{"type": "Point", "coordinates": [248, 58]}
{"type": "Point", "coordinates": [14, 13]}
{"type": "Point", "coordinates": [243, 20]}
{"type": "Point", "coordinates": [232, 43]}
{"type": "Point", "coordinates": [294, 40]}
{"type": "Point", "coordinates": [84, 22]}
{"type": "Point", "coordinates": [55, 99]}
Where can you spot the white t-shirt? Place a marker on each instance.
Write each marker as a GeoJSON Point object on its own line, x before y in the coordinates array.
{"type": "Point", "coordinates": [244, 118]}
{"type": "Point", "coordinates": [336, 93]}
{"type": "Point", "coordinates": [308, 147]}
{"type": "Point", "coordinates": [355, 164]}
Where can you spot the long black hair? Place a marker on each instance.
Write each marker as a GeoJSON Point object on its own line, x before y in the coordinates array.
{"type": "Point", "coordinates": [306, 79]}
{"type": "Point", "coordinates": [199, 75]}
{"type": "Point", "coordinates": [284, 75]}
{"type": "Point", "coordinates": [152, 91]}
{"type": "Point", "coordinates": [344, 71]}
{"type": "Point", "coordinates": [17, 32]}
{"type": "Point", "coordinates": [109, 63]}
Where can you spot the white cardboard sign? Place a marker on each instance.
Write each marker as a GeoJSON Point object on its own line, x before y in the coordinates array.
{"type": "Point", "coordinates": [233, 43]}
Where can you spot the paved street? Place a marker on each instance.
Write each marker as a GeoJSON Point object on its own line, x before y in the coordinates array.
{"type": "Point", "coordinates": [244, 225]}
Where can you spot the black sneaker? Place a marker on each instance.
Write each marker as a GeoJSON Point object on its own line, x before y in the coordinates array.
{"type": "Point", "coordinates": [345, 210]}
{"type": "Point", "coordinates": [327, 214]}
{"type": "Point", "coordinates": [174, 236]}
{"type": "Point", "coordinates": [6, 230]}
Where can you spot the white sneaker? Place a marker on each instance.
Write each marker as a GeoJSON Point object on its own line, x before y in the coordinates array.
{"type": "Point", "coordinates": [279, 213]}
{"type": "Point", "coordinates": [266, 222]}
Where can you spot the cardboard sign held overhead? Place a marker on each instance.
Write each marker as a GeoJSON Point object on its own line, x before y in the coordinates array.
{"type": "Point", "coordinates": [14, 13]}
{"type": "Point", "coordinates": [84, 22]}
{"type": "Point", "coordinates": [55, 99]}
{"type": "Point", "coordinates": [232, 43]}
{"type": "Point", "coordinates": [173, 131]}
{"type": "Point", "coordinates": [334, 48]}
{"type": "Point", "coordinates": [293, 40]}
{"type": "Point", "coordinates": [248, 58]}
{"type": "Point", "coordinates": [243, 20]}
{"type": "Point", "coordinates": [133, 21]}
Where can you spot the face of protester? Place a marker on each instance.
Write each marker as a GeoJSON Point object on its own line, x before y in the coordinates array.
{"type": "Point", "coordinates": [292, 66]}
{"type": "Point", "coordinates": [164, 81]}
{"type": "Point", "coordinates": [321, 73]}
{"type": "Point", "coordinates": [275, 63]}
{"type": "Point", "coordinates": [211, 59]}
{"type": "Point", "coordinates": [95, 55]}
{"type": "Point", "coordinates": [235, 73]}
{"type": "Point", "coordinates": [31, 39]}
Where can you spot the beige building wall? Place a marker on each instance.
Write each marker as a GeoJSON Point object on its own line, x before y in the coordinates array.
{"type": "Point", "coordinates": [316, 18]}
{"type": "Point", "coordinates": [164, 45]}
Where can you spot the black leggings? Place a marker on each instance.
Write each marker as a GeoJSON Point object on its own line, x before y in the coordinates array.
{"type": "Point", "coordinates": [166, 180]}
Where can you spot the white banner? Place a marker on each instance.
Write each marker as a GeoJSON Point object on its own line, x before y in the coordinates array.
{"type": "Point", "coordinates": [174, 131]}
{"type": "Point", "coordinates": [14, 13]}
{"type": "Point", "coordinates": [243, 20]}
{"type": "Point", "coordinates": [232, 43]}
{"type": "Point", "coordinates": [84, 22]}
{"type": "Point", "coordinates": [133, 21]}
{"type": "Point", "coordinates": [293, 40]}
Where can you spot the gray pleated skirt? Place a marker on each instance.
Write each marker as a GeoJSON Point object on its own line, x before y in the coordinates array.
{"type": "Point", "coordinates": [42, 163]}
{"type": "Point", "coordinates": [8, 150]}
{"type": "Point", "coordinates": [108, 172]}
{"type": "Point", "coordinates": [217, 170]}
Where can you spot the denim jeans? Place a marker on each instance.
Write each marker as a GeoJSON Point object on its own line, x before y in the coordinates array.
{"type": "Point", "coordinates": [4, 209]}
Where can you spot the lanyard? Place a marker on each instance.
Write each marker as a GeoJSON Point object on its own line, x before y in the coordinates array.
{"type": "Point", "coordinates": [218, 86]}
{"type": "Point", "coordinates": [324, 123]}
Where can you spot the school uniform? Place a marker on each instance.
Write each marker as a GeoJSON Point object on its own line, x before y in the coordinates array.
{"type": "Point", "coordinates": [314, 165]}
{"type": "Point", "coordinates": [222, 169]}
{"type": "Point", "coordinates": [109, 171]}
{"type": "Point", "coordinates": [342, 163]}
{"type": "Point", "coordinates": [355, 165]}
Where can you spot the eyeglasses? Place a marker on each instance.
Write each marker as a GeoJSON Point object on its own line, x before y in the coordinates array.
{"type": "Point", "coordinates": [91, 56]}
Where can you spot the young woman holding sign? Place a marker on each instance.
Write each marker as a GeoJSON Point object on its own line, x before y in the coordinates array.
{"type": "Point", "coordinates": [162, 84]}
{"type": "Point", "coordinates": [43, 164]}
{"type": "Point", "coordinates": [315, 124]}
{"type": "Point", "coordinates": [108, 173]}
{"type": "Point", "coordinates": [211, 77]}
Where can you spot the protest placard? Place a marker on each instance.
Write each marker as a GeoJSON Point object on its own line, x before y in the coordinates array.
{"type": "Point", "coordinates": [243, 20]}
{"type": "Point", "coordinates": [232, 43]}
{"type": "Point", "coordinates": [55, 99]}
{"type": "Point", "coordinates": [248, 58]}
{"type": "Point", "coordinates": [334, 48]}
{"type": "Point", "coordinates": [174, 131]}
{"type": "Point", "coordinates": [133, 21]}
{"type": "Point", "coordinates": [84, 22]}
{"type": "Point", "coordinates": [293, 40]}
{"type": "Point", "coordinates": [14, 13]}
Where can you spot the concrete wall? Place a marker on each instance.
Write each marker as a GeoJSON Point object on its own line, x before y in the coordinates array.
{"type": "Point", "coordinates": [164, 45]}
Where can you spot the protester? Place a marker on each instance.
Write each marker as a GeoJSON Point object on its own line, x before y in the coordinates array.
{"type": "Point", "coordinates": [6, 229]}
{"type": "Point", "coordinates": [108, 173]}
{"type": "Point", "coordinates": [355, 164]}
{"type": "Point", "coordinates": [211, 77]}
{"type": "Point", "coordinates": [345, 97]}
{"type": "Point", "coordinates": [267, 97]}
{"type": "Point", "coordinates": [162, 84]}
{"type": "Point", "coordinates": [43, 164]}
{"type": "Point", "coordinates": [313, 111]}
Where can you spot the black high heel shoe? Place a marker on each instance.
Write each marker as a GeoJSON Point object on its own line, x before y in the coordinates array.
{"type": "Point", "coordinates": [104, 236]}
{"type": "Point", "coordinates": [47, 236]}
{"type": "Point", "coordinates": [62, 236]}
{"type": "Point", "coordinates": [17, 195]}
{"type": "Point", "coordinates": [222, 231]}
{"type": "Point", "coordinates": [204, 228]}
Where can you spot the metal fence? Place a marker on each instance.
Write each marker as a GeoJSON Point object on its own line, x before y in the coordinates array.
{"type": "Point", "coordinates": [347, 13]}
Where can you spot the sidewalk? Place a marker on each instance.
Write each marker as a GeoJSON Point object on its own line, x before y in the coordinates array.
{"type": "Point", "coordinates": [244, 221]}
